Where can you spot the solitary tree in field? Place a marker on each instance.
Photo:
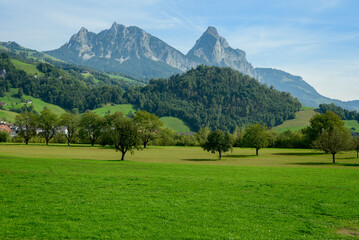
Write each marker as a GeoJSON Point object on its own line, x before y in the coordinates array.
{"type": "Point", "coordinates": [71, 122]}
{"type": "Point", "coordinates": [27, 123]}
{"type": "Point", "coordinates": [91, 125]}
{"type": "Point", "coordinates": [356, 145]}
{"type": "Point", "coordinates": [320, 122]}
{"type": "Point", "coordinates": [124, 135]}
{"type": "Point", "coordinates": [48, 122]}
{"type": "Point", "coordinates": [333, 140]}
{"type": "Point", "coordinates": [218, 141]}
{"type": "Point", "coordinates": [256, 136]}
{"type": "Point", "coordinates": [149, 126]}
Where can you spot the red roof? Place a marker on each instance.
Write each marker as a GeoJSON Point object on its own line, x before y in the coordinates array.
{"type": "Point", "coordinates": [5, 128]}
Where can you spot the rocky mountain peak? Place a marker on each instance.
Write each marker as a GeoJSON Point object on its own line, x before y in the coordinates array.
{"type": "Point", "coordinates": [83, 30]}
{"type": "Point", "coordinates": [213, 50]}
{"type": "Point", "coordinates": [212, 31]}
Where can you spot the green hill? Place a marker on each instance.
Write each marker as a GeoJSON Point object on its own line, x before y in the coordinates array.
{"type": "Point", "coordinates": [175, 124]}
{"type": "Point", "coordinates": [219, 98]}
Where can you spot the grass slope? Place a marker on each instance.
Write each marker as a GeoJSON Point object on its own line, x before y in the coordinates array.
{"type": "Point", "coordinates": [109, 109]}
{"type": "Point", "coordinates": [301, 120]}
{"type": "Point", "coordinates": [55, 196]}
{"type": "Point", "coordinates": [120, 77]}
{"type": "Point", "coordinates": [38, 103]}
{"type": "Point", "coordinates": [8, 116]}
{"type": "Point", "coordinates": [175, 124]}
{"type": "Point", "coordinates": [352, 125]}
{"type": "Point", "coordinates": [28, 68]}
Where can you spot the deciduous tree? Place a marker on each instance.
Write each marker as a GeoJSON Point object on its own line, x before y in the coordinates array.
{"type": "Point", "coordinates": [256, 136]}
{"type": "Point", "coordinates": [27, 123]}
{"type": "Point", "coordinates": [91, 126]}
{"type": "Point", "coordinates": [356, 145]}
{"type": "Point", "coordinates": [218, 141]}
{"type": "Point", "coordinates": [149, 126]}
{"type": "Point", "coordinates": [48, 122]}
{"type": "Point", "coordinates": [124, 135]}
{"type": "Point", "coordinates": [71, 122]}
{"type": "Point", "coordinates": [333, 140]}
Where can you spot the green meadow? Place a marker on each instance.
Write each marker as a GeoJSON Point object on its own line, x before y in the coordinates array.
{"type": "Point", "coordinates": [300, 121]}
{"type": "Point", "coordinates": [28, 68]}
{"type": "Point", "coordinates": [175, 124]}
{"type": "Point", "coordinates": [352, 124]}
{"type": "Point", "coordinates": [11, 100]}
{"type": "Point", "coordinates": [110, 109]}
{"type": "Point", "coordinates": [81, 192]}
{"type": "Point", "coordinates": [7, 115]}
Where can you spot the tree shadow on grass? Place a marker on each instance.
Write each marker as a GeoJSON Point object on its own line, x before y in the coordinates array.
{"type": "Point", "coordinates": [298, 154]}
{"type": "Point", "coordinates": [238, 156]}
{"type": "Point", "coordinates": [327, 164]}
{"type": "Point", "coordinates": [201, 160]}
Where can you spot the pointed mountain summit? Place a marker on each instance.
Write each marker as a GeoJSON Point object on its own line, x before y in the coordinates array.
{"type": "Point", "coordinates": [213, 50]}
{"type": "Point", "coordinates": [128, 50]}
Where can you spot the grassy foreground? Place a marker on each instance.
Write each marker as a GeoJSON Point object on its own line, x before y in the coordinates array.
{"type": "Point", "coordinates": [80, 192]}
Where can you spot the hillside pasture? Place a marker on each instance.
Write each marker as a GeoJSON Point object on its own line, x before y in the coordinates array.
{"type": "Point", "coordinates": [300, 121]}
{"type": "Point", "coordinates": [12, 101]}
{"type": "Point", "coordinates": [28, 68]}
{"type": "Point", "coordinates": [353, 125]}
{"type": "Point", "coordinates": [175, 124]}
{"type": "Point", "coordinates": [110, 109]}
{"type": "Point", "coordinates": [8, 116]}
{"type": "Point", "coordinates": [81, 192]}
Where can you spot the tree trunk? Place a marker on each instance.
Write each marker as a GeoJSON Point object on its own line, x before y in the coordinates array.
{"type": "Point", "coordinates": [220, 155]}
{"type": "Point", "coordinates": [47, 141]}
{"type": "Point", "coordinates": [26, 141]}
{"type": "Point", "coordinates": [257, 151]}
{"type": "Point", "coordinates": [144, 144]}
{"type": "Point", "coordinates": [123, 156]}
{"type": "Point", "coordinates": [333, 158]}
{"type": "Point", "coordinates": [68, 142]}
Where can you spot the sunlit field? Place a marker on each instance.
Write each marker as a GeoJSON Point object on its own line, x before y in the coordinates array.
{"type": "Point", "coordinates": [83, 192]}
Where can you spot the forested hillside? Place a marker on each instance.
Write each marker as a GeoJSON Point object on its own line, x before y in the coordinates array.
{"type": "Point", "coordinates": [67, 89]}
{"type": "Point", "coordinates": [220, 98]}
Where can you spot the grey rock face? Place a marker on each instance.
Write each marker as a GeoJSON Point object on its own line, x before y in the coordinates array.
{"type": "Point", "coordinates": [212, 49]}
{"type": "Point", "coordinates": [133, 51]}
{"type": "Point", "coordinates": [127, 46]}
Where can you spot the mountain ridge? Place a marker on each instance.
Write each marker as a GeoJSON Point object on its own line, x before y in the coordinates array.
{"type": "Point", "coordinates": [145, 57]}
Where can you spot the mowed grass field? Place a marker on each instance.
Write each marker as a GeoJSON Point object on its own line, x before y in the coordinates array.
{"type": "Point", "coordinates": [80, 192]}
{"type": "Point", "coordinates": [301, 120]}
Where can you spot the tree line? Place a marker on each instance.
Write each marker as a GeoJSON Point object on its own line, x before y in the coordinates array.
{"type": "Point", "coordinates": [325, 132]}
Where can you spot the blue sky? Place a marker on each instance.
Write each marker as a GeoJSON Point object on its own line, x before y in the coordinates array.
{"type": "Point", "coordinates": [315, 39]}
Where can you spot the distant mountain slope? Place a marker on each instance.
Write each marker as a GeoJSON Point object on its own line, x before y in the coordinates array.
{"type": "Point", "coordinates": [300, 89]}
